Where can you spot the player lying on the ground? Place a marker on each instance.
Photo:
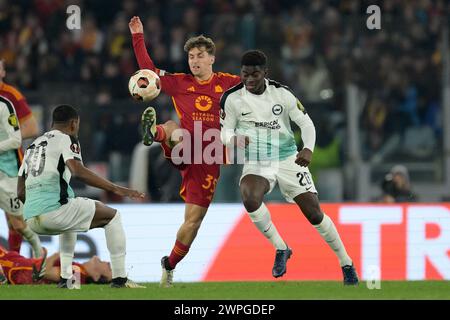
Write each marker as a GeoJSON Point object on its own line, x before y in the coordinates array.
{"type": "Point", "coordinates": [256, 115]}
{"type": "Point", "coordinates": [16, 269]}
{"type": "Point", "coordinates": [51, 207]}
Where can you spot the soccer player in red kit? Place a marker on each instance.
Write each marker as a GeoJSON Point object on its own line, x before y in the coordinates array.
{"type": "Point", "coordinates": [17, 269]}
{"type": "Point", "coordinates": [196, 99]}
{"type": "Point", "coordinates": [28, 129]}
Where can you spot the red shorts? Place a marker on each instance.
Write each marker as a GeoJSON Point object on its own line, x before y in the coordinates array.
{"type": "Point", "coordinates": [198, 180]}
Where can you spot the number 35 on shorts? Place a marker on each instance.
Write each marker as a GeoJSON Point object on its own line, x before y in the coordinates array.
{"type": "Point", "coordinates": [210, 183]}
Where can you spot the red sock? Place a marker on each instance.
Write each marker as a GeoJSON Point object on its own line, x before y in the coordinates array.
{"type": "Point", "coordinates": [179, 251]}
{"type": "Point", "coordinates": [160, 133]}
{"type": "Point", "coordinates": [14, 240]}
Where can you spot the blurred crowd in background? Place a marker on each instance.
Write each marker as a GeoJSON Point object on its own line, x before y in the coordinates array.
{"type": "Point", "coordinates": [316, 47]}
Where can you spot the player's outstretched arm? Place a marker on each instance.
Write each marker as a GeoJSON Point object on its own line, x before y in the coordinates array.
{"type": "Point", "coordinates": [82, 173]}
{"type": "Point", "coordinates": [135, 25]}
{"type": "Point", "coordinates": [140, 51]}
{"type": "Point", "coordinates": [168, 81]}
{"type": "Point", "coordinates": [29, 127]}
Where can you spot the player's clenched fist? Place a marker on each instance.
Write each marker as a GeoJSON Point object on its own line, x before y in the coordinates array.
{"type": "Point", "coordinates": [304, 157]}
{"type": "Point", "coordinates": [135, 25]}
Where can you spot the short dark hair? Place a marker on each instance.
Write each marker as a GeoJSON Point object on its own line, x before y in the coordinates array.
{"type": "Point", "coordinates": [64, 113]}
{"type": "Point", "coordinates": [254, 58]}
{"type": "Point", "coordinates": [200, 41]}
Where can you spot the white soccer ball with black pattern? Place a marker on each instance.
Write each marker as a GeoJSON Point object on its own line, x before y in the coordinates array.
{"type": "Point", "coordinates": [144, 85]}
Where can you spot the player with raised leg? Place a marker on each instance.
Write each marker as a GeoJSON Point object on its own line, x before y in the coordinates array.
{"type": "Point", "coordinates": [51, 207]}
{"type": "Point", "coordinates": [256, 115]}
{"type": "Point", "coordinates": [196, 99]}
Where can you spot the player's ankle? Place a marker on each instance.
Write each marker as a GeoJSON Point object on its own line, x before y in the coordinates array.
{"type": "Point", "coordinates": [119, 280]}
{"type": "Point", "coordinates": [160, 134]}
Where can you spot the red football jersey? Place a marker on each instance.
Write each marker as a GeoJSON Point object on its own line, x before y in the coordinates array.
{"type": "Point", "coordinates": [17, 269]}
{"type": "Point", "coordinates": [193, 100]}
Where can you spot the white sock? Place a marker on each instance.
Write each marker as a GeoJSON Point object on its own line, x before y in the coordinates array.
{"type": "Point", "coordinates": [116, 243]}
{"type": "Point", "coordinates": [67, 243]}
{"type": "Point", "coordinates": [34, 241]}
{"type": "Point", "coordinates": [328, 231]}
{"type": "Point", "coordinates": [261, 219]}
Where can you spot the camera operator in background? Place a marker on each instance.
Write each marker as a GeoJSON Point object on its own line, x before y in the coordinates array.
{"type": "Point", "coordinates": [396, 186]}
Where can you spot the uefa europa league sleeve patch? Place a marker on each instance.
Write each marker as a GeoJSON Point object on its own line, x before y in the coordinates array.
{"type": "Point", "coordinates": [75, 148]}
{"type": "Point", "coordinates": [301, 107]}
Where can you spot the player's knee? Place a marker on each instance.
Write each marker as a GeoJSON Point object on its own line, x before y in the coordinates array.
{"type": "Point", "coordinates": [113, 215]}
{"type": "Point", "coordinates": [252, 204]}
{"type": "Point", "coordinates": [314, 215]}
{"type": "Point", "coordinates": [251, 199]}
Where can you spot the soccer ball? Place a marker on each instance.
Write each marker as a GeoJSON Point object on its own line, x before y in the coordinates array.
{"type": "Point", "coordinates": [144, 85]}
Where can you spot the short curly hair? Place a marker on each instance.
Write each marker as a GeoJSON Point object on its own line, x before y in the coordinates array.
{"type": "Point", "coordinates": [200, 41]}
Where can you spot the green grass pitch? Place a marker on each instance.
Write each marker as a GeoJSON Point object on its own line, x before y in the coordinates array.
{"type": "Point", "coordinates": [289, 290]}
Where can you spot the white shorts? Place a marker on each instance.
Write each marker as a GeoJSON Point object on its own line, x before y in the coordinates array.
{"type": "Point", "coordinates": [292, 178]}
{"type": "Point", "coordinates": [9, 201]}
{"type": "Point", "coordinates": [75, 216]}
